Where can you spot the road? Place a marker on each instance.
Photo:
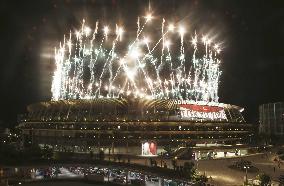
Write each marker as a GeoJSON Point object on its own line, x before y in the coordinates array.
{"type": "Point", "coordinates": [222, 175]}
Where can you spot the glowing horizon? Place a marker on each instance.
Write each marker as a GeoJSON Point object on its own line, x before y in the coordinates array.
{"type": "Point", "coordinates": [96, 63]}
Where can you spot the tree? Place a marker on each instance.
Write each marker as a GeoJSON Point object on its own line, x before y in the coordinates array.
{"type": "Point", "coordinates": [201, 179]}
{"type": "Point", "coordinates": [119, 156]}
{"type": "Point", "coordinates": [188, 170]}
{"type": "Point", "coordinates": [169, 151]}
{"type": "Point", "coordinates": [174, 164]}
{"type": "Point", "coordinates": [275, 140]}
{"type": "Point", "coordinates": [264, 179]}
{"type": "Point", "coordinates": [63, 155]}
{"type": "Point", "coordinates": [91, 154]}
{"type": "Point", "coordinates": [9, 154]}
{"type": "Point", "coordinates": [47, 152]}
{"type": "Point", "coordinates": [101, 155]}
{"type": "Point", "coordinates": [33, 152]}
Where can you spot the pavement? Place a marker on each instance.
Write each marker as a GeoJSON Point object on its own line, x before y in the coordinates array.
{"type": "Point", "coordinates": [222, 175]}
{"type": "Point", "coordinates": [218, 169]}
{"type": "Point", "coordinates": [61, 183]}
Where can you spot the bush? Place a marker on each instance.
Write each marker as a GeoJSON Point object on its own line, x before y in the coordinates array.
{"type": "Point", "coordinates": [264, 179]}
{"type": "Point", "coordinates": [280, 152]}
{"type": "Point", "coordinates": [188, 170]}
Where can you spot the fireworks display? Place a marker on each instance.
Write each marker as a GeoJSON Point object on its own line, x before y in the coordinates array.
{"type": "Point", "coordinates": [164, 63]}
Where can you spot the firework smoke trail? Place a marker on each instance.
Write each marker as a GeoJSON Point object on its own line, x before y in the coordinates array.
{"type": "Point", "coordinates": [180, 69]}
{"type": "Point", "coordinates": [158, 68]}
{"type": "Point", "coordinates": [139, 31]}
{"type": "Point", "coordinates": [79, 78]}
{"type": "Point", "coordinates": [131, 73]}
{"type": "Point", "coordinates": [92, 62]}
{"type": "Point", "coordinates": [56, 82]}
{"type": "Point", "coordinates": [97, 92]}
{"type": "Point", "coordinates": [119, 32]}
{"type": "Point", "coordinates": [154, 63]}
{"type": "Point", "coordinates": [110, 63]}
{"type": "Point", "coordinates": [69, 44]}
{"type": "Point", "coordinates": [138, 27]}
{"type": "Point", "coordinates": [145, 75]}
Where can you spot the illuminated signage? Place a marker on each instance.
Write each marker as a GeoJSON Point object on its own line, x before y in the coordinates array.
{"type": "Point", "coordinates": [149, 148]}
{"type": "Point", "coordinates": [190, 111]}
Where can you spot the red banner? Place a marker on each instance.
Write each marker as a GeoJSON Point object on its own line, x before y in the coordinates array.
{"type": "Point", "coordinates": [201, 108]}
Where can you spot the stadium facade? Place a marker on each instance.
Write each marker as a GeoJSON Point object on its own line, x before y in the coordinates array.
{"type": "Point", "coordinates": [137, 126]}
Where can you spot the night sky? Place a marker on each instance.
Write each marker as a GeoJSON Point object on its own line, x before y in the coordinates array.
{"type": "Point", "coordinates": [252, 33]}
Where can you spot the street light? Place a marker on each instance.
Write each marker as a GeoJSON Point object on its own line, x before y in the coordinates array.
{"type": "Point", "coordinates": [246, 167]}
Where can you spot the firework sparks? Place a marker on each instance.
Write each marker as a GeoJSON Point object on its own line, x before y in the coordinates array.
{"type": "Point", "coordinates": [92, 64]}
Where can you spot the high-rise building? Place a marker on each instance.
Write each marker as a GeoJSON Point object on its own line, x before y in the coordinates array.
{"type": "Point", "coordinates": [271, 118]}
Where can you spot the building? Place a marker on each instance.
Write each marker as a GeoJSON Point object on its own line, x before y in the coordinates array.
{"type": "Point", "coordinates": [271, 119]}
{"type": "Point", "coordinates": [135, 126]}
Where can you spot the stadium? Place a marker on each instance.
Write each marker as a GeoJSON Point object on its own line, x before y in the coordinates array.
{"type": "Point", "coordinates": [137, 98]}
{"type": "Point", "coordinates": [133, 125]}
